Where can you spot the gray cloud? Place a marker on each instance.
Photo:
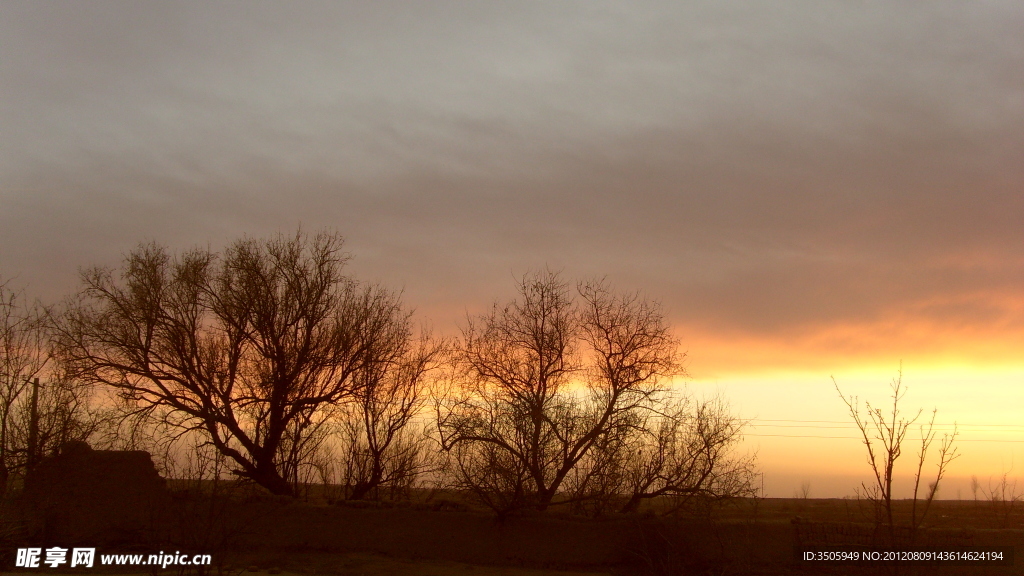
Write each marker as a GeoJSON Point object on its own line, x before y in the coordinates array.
{"type": "Point", "coordinates": [762, 169]}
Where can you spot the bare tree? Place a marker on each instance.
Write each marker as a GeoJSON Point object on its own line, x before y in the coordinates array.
{"type": "Point", "coordinates": [497, 477]}
{"type": "Point", "coordinates": [680, 451]}
{"type": "Point", "coordinates": [883, 434]}
{"type": "Point", "coordinates": [1004, 498]}
{"type": "Point", "coordinates": [59, 410]}
{"type": "Point", "coordinates": [41, 406]}
{"type": "Point", "coordinates": [805, 490]}
{"type": "Point", "coordinates": [544, 379]}
{"type": "Point", "coordinates": [248, 347]}
{"type": "Point", "coordinates": [947, 453]}
{"type": "Point", "coordinates": [302, 444]}
{"type": "Point", "coordinates": [381, 448]}
{"type": "Point", "coordinates": [24, 353]}
{"type": "Point", "coordinates": [686, 450]}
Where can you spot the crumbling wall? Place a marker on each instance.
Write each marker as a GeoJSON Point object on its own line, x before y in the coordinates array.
{"type": "Point", "coordinates": [89, 497]}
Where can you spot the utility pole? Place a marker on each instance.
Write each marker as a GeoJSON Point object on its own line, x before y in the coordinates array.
{"type": "Point", "coordinates": [33, 428]}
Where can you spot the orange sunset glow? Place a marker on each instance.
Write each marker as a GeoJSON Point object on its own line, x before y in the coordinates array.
{"type": "Point", "coordinates": [809, 190]}
{"type": "Point", "coordinates": [973, 376]}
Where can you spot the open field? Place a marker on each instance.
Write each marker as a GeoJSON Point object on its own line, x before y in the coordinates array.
{"type": "Point", "coordinates": [944, 514]}
{"type": "Point", "coordinates": [275, 535]}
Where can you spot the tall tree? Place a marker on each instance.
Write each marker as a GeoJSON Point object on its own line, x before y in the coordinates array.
{"type": "Point", "coordinates": [249, 346]}
{"type": "Point", "coordinates": [545, 378]}
{"type": "Point", "coordinates": [883, 432]}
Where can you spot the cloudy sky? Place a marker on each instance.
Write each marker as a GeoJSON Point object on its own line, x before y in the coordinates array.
{"type": "Point", "coordinates": [810, 188]}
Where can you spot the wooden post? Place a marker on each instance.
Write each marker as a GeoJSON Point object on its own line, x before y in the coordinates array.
{"type": "Point", "coordinates": [33, 428]}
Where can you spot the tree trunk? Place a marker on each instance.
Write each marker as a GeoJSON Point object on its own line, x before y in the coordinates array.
{"type": "Point", "coordinates": [273, 481]}
{"type": "Point", "coordinates": [4, 474]}
{"type": "Point", "coordinates": [544, 498]}
{"type": "Point", "coordinates": [632, 505]}
{"type": "Point", "coordinates": [360, 490]}
{"type": "Point", "coordinates": [363, 487]}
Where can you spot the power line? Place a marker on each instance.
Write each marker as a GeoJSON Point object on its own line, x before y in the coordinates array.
{"type": "Point", "coordinates": [862, 439]}
{"type": "Point", "coordinates": [847, 422]}
{"type": "Point", "coordinates": [843, 427]}
{"type": "Point", "coordinates": [960, 429]}
{"type": "Point", "coordinates": [787, 423]}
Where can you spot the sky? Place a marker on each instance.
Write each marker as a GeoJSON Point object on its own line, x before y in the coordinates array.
{"type": "Point", "coordinates": [811, 189]}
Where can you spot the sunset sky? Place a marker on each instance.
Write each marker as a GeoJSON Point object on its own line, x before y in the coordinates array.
{"type": "Point", "coordinates": [811, 189]}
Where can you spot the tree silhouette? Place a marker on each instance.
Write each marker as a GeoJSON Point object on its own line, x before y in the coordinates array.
{"type": "Point", "coordinates": [41, 407]}
{"type": "Point", "coordinates": [24, 354]}
{"type": "Point", "coordinates": [883, 433]}
{"type": "Point", "coordinates": [249, 347]}
{"type": "Point", "coordinates": [542, 380]}
{"type": "Point", "coordinates": [379, 448]}
{"type": "Point", "coordinates": [685, 451]}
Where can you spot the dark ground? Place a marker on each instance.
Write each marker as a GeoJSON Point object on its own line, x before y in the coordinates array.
{"type": "Point", "coordinates": [440, 536]}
